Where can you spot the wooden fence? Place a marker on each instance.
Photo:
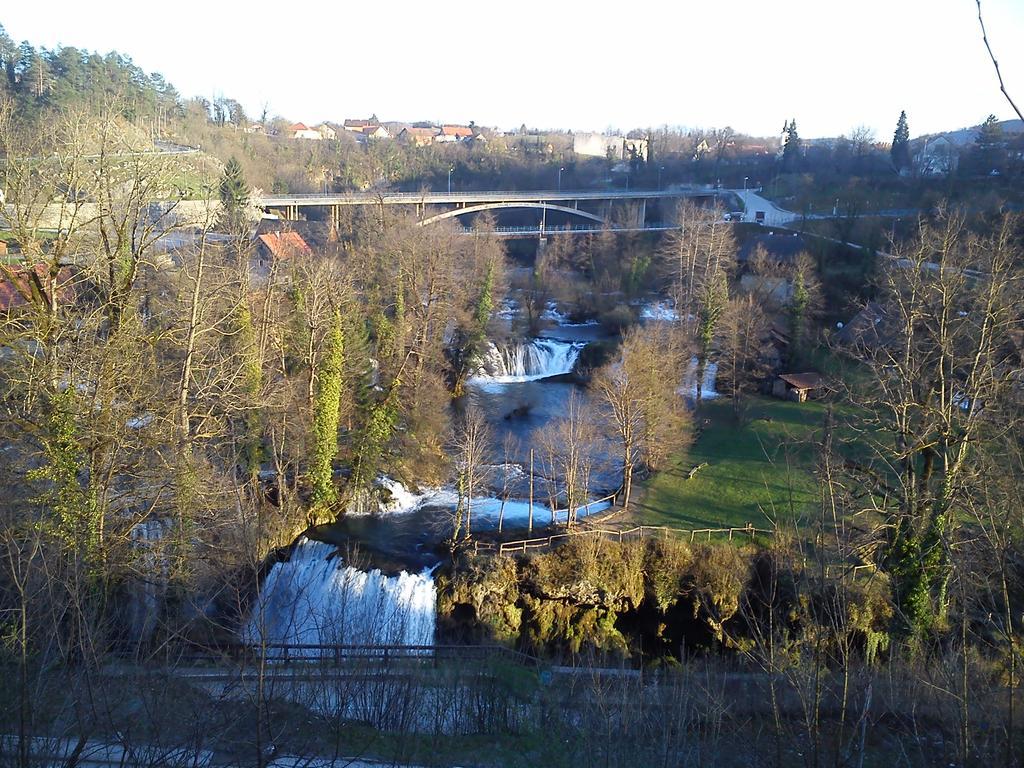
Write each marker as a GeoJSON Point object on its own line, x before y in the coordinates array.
{"type": "Point", "coordinates": [637, 533]}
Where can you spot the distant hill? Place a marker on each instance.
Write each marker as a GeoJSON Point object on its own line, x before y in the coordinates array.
{"type": "Point", "coordinates": [965, 136]}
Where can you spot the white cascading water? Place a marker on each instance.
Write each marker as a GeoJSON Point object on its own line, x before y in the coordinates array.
{"type": "Point", "coordinates": [707, 390]}
{"type": "Point", "coordinates": [483, 509]}
{"type": "Point", "coordinates": [315, 599]}
{"type": "Point", "coordinates": [529, 361]}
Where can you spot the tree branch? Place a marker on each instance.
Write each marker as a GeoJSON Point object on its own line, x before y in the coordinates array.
{"type": "Point", "coordinates": [1002, 87]}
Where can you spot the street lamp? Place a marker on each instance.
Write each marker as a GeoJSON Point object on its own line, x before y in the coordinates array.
{"type": "Point", "coordinates": [560, 179]}
{"type": "Point", "coordinates": [745, 183]}
{"type": "Point", "coordinates": [450, 179]}
{"type": "Point", "coordinates": [660, 169]}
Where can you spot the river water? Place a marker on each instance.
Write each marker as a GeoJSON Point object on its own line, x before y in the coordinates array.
{"type": "Point", "coordinates": [368, 580]}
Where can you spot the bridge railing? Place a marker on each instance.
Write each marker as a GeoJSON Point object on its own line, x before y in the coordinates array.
{"type": "Point", "coordinates": [547, 194]}
{"type": "Point", "coordinates": [555, 228]}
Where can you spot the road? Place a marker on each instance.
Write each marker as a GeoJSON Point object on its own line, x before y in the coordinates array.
{"type": "Point", "coordinates": [773, 215]}
{"type": "Point", "coordinates": [484, 196]}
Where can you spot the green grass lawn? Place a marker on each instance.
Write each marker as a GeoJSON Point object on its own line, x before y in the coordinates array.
{"type": "Point", "coordinates": [757, 472]}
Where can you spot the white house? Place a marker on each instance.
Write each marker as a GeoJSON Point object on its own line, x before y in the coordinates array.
{"type": "Point", "coordinates": [938, 156]}
{"type": "Point", "coordinates": [326, 132]}
{"type": "Point", "coordinates": [611, 147]}
{"type": "Point", "coordinates": [303, 131]}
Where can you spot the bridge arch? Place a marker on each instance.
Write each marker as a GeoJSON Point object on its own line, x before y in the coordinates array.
{"type": "Point", "coordinates": [494, 206]}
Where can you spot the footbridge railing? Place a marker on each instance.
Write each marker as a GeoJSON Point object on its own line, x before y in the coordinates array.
{"type": "Point", "coordinates": [256, 653]}
{"type": "Point", "coordinates": [637, 533]}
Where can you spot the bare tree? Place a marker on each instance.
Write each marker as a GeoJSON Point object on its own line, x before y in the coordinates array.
{"type": "Point", "coordinates": [697, 261]}
{"type": "Point", "coordinates": [745, 349]}
{"type": "Point", "coordinates": [640, 401]}
{"type": "Point", "coordinates": [942, 373]}
{"type": "Point", "coordinates": [472, 443]}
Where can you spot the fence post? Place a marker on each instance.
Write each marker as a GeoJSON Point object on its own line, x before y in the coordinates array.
{"type": "Point", "coordinates": [529, 523]}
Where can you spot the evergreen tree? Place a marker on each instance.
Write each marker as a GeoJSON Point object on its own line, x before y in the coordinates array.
{"type": "Point", "coordinates": [791, 148]}
{"type": "Point", "coordinates": [900, 152]}
{"type": "Point", "coordinates": [326, 417]}
{"type": "Point", "coordinates": [234, 196]}
{"type": "Point", "coordinates": [714, 297]}
{"type": "Point", "coordinates": [68, 507]}
{"type": "Point", "coordinates": [988, 144]}
{"type": "Point", "coordinates": [798, 316]}
{"type": "Point", "coordinates": [8, 56]}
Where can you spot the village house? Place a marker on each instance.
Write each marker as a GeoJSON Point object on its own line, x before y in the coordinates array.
{"type": "Point", "coordinates": [937, 157]}
{"type": "Point", "coordinates": [326, 132]}
{"type": "Point", "coordinates": [634, 149]}
{"type": "Point", "coordinates": [797, 386]}
{"type": "Point", "coordinates": [302, 131]}
{"type": "Point", "coordinates": [23, 285]}
{"type": "Point", "coordinates": [375, 131]}
{"type": "Point", "coordinates": [275, 247]}
{"type": "Point", "coordinates": [611, 147]}
{"type": "Point", "coordinates": [357, 126]}
{"type": "Point", "coordinates": [450, 133]}
{"type": "Point", "coordinates": [868, 331]}
{"type": "Point", "coordinates": [417, 137]}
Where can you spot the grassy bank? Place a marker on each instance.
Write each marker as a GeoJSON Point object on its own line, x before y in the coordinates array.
{"type": "Point", "coordinates": [757, 472]}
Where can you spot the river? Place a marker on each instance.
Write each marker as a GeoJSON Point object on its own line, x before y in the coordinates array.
{"type": "Point", "coordinates": [368, 578]}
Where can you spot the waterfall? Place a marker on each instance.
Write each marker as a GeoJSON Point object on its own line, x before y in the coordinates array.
{"type": "Point", "coordinates": [146, 593]}
{"type": "Point", "coordinates": [315, 599]}
{"type": "Point", "coordinates": [689, 388]}
{"type": "Point", "coordinates": [528, 361]}
{"type": "Point", "coordinates": [485, 509]}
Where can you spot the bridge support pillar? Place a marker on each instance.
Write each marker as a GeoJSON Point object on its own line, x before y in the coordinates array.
{"type": "Point", "coordinates": [642, 212]}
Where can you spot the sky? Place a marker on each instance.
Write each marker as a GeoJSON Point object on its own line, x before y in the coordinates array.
{"type": "Point", "coordinates": [570, 64]}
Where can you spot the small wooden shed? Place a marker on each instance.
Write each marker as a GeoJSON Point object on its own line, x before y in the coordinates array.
{"type": "Point", "coordinates": [796, 386]}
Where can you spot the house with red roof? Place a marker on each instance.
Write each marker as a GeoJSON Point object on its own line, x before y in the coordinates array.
{"type": "Point", "coordinates": [417, 137]}
{"type": "Point", "coordinates": [274, 248]}
{"type": "Point", "coordinates": [450, 133]}
{"type": "Point", "coordinates": [22, 286]}
{"type": "Point", "coordinates": [302, 131]}
{"type": "Point", "coordinates": [281, 246]}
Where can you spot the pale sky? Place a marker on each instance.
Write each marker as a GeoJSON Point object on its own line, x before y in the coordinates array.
{"type": "Point", "coordinates": [576, 64]}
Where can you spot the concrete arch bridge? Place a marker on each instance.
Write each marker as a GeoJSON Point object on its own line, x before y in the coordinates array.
{"type": "Point", "coordinates": [594, 209]}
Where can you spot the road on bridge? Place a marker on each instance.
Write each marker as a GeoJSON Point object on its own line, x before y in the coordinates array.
{"type": "Point", "coordinates": [485, 196]}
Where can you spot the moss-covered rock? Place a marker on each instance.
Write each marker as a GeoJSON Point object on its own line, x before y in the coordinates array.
{"type": "Point", "coordinates": [478, 597]}
{"type": "Point", "coordinates": [666, 564]}
{"type": "Point", "coordinates": [717, 577]}
{"type": "Point", "coordinates": [661, 597]}
{"type": "Point", "coordinates": [588, 570]}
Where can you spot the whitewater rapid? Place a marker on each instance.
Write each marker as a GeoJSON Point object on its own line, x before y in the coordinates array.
{"type": "Point", "coordinates": [316, 599]}
{"type": "Point", "coordinates": [689, 388]}
{"type": "Point", "coordinates": [484, 509]}
{"type": "Point", "coordinates": [527, 361]}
